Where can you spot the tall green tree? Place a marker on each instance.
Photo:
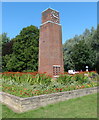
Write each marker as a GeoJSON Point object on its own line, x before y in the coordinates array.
{"type": "Point", "coordinates": [4, 39]}
{"type": "Point", "coordinates": [97, 63]}
{"type": "Point", "coordinates": [5, 44]}
{"type": "Point", "coordinates": [25, 51]}
{"type": "Point", "coordinates": [82, 56]}
{"type": "Point", "coordinates": [89, 39]}
{"type": "Point", "coordinates": [95, 40]}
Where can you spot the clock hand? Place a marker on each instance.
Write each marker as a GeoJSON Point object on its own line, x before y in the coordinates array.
{"type": "Point", "coordinates": [55, 16]}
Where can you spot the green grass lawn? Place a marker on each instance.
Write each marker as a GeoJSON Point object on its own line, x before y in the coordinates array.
{"type": "Point", "coordinates": [82, 107]}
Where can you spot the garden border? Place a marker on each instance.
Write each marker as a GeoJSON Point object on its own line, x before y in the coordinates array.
{"type": "Point", "coordinates": [19, 105]}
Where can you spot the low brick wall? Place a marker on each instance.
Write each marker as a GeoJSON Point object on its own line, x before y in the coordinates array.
{"type": "Point", "coordinates": [19, 105]}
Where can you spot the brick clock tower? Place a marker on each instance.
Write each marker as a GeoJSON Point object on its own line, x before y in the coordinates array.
{"type": "Point", "coordinates": [50, 44]}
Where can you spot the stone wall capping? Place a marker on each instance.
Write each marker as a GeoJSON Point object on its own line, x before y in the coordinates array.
{"type": "Point", "coordinates": [7, 94]}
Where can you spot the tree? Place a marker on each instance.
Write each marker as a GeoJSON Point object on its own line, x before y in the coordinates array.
{"type": "Point", "coordinates": [4, 38]}
{"type": "Point", "coordinates": [5, 44]}
{"type": "Point", "coordinates": [86, 33]}
{"type": "Point", "coordinates": [25, 51]}
{"type": "Point", "coordinates": [95, 40]}
{"type": "Point", "coordinates": [97, 63]}
{"type": "Point", "coordinates": [95, 45]}
{"type": "Point", "coordinates": [82, 56]}
{"type": "Point", "coordinates": [90, 38]}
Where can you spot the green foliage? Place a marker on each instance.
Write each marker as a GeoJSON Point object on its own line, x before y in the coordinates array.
{"type": "Point", "coordinates": [82, 50]}
{"type": "Point", "coordinates": [65, 79]}
{"type": "Point", "coordinates": [81, 78]}
{"type": "Point", "coordinates": [4, 38]}
{"type": "Point", "coordinates": [42, 79]}
{"type": "Point", "coordinates": [82, 56]}
{"type": "Point", "coordinates": [97, 63]}
{"type": "Point", "coordinates": [78, 79]}
{"type": "Point", "coordinates": [31, 84]}
{"type": "Point", "coordinates": [20, 78]}
{"type": "Point", "coordinates": [95, 40]}
{"type": "Point", "coordinates": [5, 60]}
{"type": "Point", "coordinates": [7, 48]}
{"type": "Point", "coordinates": [25, 51]}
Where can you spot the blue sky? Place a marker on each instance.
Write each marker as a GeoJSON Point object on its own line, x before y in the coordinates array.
{"type": "Point", "coordinates": [75, 16]}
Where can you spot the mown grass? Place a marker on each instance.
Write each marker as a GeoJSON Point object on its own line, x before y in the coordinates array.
{"type": "Point", "coordinates": [82, 107]}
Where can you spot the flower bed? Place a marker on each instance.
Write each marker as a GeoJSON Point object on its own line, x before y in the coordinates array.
{"type": "Point", "coordinates": [33, 84]}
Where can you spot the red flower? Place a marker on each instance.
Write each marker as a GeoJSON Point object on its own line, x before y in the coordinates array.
{"type": "Point", "coordinates": [26, 93]}
{"type": "Point", "coordinates": [60, 89]}
{"type": "Point", "coordinates": [82, 86]}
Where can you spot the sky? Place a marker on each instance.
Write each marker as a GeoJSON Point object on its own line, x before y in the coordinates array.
{"type": "Point", "coordinates": [75, 17]}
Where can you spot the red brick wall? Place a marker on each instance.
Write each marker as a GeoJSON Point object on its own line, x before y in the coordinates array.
{"type": "Point", "coordinates": [50, 46]}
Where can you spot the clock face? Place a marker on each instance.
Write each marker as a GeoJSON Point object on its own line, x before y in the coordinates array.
{"type": "Point", "coordinates": [55, 17]}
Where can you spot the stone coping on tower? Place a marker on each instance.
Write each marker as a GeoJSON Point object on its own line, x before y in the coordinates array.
{"type": "Point", "coordinates": [49, 8]}
{"type": "Point", "coordinates": [50, 22]}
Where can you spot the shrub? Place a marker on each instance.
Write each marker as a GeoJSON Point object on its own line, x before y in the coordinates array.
{"type": "Point", "coordinates": [42, 79]}
{"type": "Point", "coordinates": [81, 78]}
{"type": "Point", "coordinates": [65, 79]}
{"type": "Point", "coordinates": [28, 77]}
